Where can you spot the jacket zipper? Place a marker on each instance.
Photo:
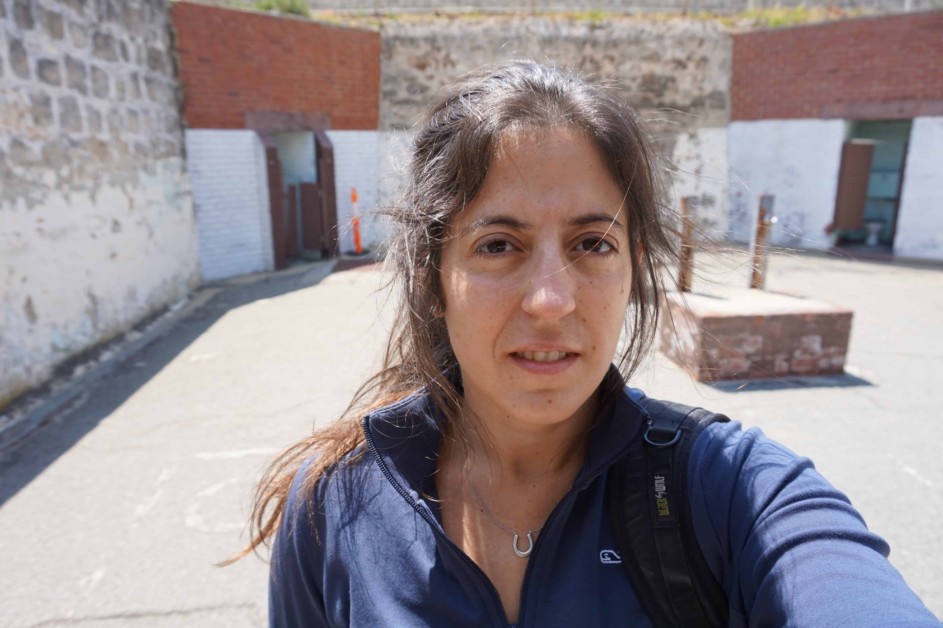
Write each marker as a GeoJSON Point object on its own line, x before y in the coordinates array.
{"type": "Point", "coordinates": [569, 494]}
{"type": "Point", "coordinates": [437, 529]}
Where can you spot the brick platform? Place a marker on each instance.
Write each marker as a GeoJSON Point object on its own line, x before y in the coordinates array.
{"type": "Point", "coordinates": [748, 334]}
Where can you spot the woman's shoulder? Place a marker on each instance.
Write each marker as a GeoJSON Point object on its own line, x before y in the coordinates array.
{"type": "Point", "coordinates": [780, 537]}
{"type": "Point", "coordinates": [721, 444]}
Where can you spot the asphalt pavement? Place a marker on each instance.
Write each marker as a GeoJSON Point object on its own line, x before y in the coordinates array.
{"type": "Point", "coordinates": [122, 490]}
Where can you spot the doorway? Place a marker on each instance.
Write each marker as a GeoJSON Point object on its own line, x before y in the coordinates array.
{"type": "Point", "coordinates": [869, 184]}
{"type": "Point", "coordinates": [301, 195]}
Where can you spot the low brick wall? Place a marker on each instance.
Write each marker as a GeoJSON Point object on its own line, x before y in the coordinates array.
{"type": "Point", "coordinates": [751, 334]}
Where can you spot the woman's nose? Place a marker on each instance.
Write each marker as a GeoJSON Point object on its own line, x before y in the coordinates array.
{"type": "Point", "coordinates": [551, 289]}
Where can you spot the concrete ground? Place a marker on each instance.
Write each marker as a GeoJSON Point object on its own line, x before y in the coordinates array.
{"type": "Point", "coordinates": [115, 506]}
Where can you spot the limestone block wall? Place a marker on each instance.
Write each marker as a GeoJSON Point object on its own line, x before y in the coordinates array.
{"type": "Point", "coordinates": [796, 161]}
{"type": "Point", "coordinates": [674, 72]}
{"type": "Point", "coordinates": [919, 227]}
{"type": "Point", "coordinates": [96, 223]}
{"type": "Point", "coordinates": [230, 190]}
{"type": "Point", "coordinates": [680, 65]}
{"type": "Point", "coordinates": [618, 6]}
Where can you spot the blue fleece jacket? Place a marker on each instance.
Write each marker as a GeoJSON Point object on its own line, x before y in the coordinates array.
{"type": "Point", "coordinates": [368, 548]}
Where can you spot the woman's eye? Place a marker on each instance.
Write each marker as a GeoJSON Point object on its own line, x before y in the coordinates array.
{"type": "Point", "coordinates": [495, 247]}
{"type": "Point", "coordinates": [594, 245]}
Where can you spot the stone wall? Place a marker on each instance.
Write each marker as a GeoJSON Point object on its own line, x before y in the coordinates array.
{"type": "Point", "coordinates": [96, 223]}
{"type": "Point", "coordinates": [616, 6]}
{"type": "Point", "coordinates": [674, 72]}
{"type": "Point", "coordinates": [677, 65]}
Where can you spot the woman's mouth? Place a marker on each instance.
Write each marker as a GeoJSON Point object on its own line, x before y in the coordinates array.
{"type": "Point", "coordinates": [542, 356]}
{"type": "Point", "coordinates": [545, 362]}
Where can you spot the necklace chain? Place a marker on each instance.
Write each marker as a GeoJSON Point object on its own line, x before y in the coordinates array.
{"type": "Point", "coordinates": [515, 537]}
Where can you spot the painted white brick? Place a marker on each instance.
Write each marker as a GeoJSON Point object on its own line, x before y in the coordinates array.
{"type": "Point", "coordinates": [230, 193]}
{"type": "Point", "coordinates": [699, 169]}
{"type": "Point", "coordinates": [797, 161]}
{"type": "Point", "coordinates": [920, 221]}
{"type": "Point", "coordinates": [357, 164]}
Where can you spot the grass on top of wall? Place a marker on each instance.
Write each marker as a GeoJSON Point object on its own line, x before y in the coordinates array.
{"type": "Point", "coordinates": [751, 19]}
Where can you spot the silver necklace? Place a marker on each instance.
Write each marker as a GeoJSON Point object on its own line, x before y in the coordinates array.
{"type": "Point", "coordinates": [522, 553]}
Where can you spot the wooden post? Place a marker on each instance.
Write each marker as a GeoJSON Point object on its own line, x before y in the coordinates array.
{"type": "Point", "coordinates": [687, 244]}
{"type": "Point", "coordinates": [759, 256]}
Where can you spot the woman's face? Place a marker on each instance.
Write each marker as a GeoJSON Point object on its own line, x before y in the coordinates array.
{"type": "Point", "coordinates": [536, 278]}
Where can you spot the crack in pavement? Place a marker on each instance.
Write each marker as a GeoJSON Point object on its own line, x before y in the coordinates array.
{"type": "Point", "coordinates": [140, 615]}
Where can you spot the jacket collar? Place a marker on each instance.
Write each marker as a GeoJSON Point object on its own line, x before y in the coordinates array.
{"type": "Point", "coordinates": [405, 437]}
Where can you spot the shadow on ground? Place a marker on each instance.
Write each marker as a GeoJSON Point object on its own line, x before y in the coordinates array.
{"type": "Point", "coordinates": [90, 402]}
{"type": "Point", "coordinates": [845, 380]}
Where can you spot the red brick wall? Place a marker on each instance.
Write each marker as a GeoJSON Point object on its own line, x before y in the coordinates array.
{"type": "Point", "coordinates": [236, 62]}
{"type": "Point", "coordinates": [874, 68]}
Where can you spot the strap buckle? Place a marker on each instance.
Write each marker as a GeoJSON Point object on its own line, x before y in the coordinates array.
{"type": "Point", "coordinates": [647, 437]}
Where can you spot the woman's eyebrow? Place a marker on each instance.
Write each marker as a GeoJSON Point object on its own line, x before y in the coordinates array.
{"type": "Point", "coordinates": [589, 219]}
{"type": "Point", "coordinates": [513, 223]}
{"type": "Point", "coordinates": [490, 221]}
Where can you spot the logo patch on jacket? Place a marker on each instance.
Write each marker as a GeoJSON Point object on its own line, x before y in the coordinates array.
{"type": "Point", "coordinates": [609, 557]}
{"type": "Point", "coordinates": [661, 496]}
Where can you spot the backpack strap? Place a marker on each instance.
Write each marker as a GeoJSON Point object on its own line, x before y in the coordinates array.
{"type": "Point", "coordinates": [647, 499]}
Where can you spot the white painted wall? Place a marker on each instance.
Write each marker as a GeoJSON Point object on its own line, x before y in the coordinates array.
{"type": "Point", "coordinates": [920, 219]}
{"type": "Point", "coordinates": [230, 192]}
{"type": "Point", "coordinates": [357, 163]}
{"type": "Point", "coordinates": [699, 169]}
{"type": "Point", "coordinates": [797, 161]}
{"type": "Point", "coordinates": [395, 152]}
{"type": "Point", "coordinates": [82, 267]}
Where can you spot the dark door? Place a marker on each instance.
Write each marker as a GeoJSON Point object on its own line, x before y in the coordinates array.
{"type": "Point", "coordinates": [853, 185]}
{"type": "Point", "coordinates": [900, 189]}
{"type": "Point", "coordinates": [312, 219]}
{"type": "Point", "coordinates": [292, 236]}
{"type": "Point", "coordinates": [276, 195]}
{"type": "Point", "coordinates": [325, 159]}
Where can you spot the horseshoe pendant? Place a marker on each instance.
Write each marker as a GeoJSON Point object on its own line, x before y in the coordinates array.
{"type": "Point", "coordinates": [530, 546]}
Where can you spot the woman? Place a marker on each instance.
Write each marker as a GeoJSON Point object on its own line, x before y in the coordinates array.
{"type": "Point", "coordinates": [473, 491]}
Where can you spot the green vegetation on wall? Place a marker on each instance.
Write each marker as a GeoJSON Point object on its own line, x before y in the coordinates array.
{"type": "Point", "coordinates": [288, 7]}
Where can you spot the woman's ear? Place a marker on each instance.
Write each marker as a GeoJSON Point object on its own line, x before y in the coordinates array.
{"type": "Point", "coordinates": [438, 308]}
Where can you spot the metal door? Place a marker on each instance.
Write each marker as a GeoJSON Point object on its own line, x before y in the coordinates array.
{"type": "Point", "coordinates": [276, 195]}
{"type": "Point", "coordinates": [292, 235]}
{"type": "Point", "coordinates": [325, 160]}
{"type": "Point", "coordinates": [853, 177]}
{"type": "Point", "coordinates": [312, 219]}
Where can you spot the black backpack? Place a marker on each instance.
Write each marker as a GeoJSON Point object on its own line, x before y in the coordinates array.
{"type": "Point", "coordinates": [647, 500]}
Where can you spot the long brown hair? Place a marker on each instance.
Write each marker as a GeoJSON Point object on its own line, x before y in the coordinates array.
{"type": "Point", "coordinates": [450, 157]}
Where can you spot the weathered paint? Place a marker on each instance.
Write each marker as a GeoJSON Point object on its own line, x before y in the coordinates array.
{"type": "Point", "coordinates": [920, 222]}
{"type": "Point", "coordinates": [796, 161]}
{"type": "Point", "coordinates": [96, 221]}
{"type": "Point", "coordinates": [699, 170]}
{"type": "Point", "coordinates": [81, 268]}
